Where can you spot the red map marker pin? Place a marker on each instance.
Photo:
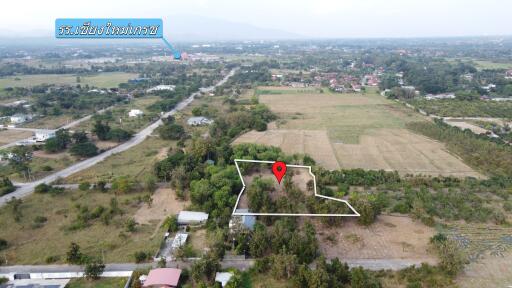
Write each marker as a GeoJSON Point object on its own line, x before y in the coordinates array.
{"type": "Point", "coordinates": [279, 169]}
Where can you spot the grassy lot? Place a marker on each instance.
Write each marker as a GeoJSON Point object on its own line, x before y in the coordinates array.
{"type": "Point", "coordinates": [41, 165]}
{"type": "Point", "coordinates": [481, 64]}
{"type": "Point", "coordinates": [100, 283]}
{"type": "Point", "coordinates": [49, 122]}
{"type": "Point", "coordinates": [136, 162]}
{"type": "Point", "coordinates": [29, 243]}
{"type": "Point", "coordinates": [102, 80]}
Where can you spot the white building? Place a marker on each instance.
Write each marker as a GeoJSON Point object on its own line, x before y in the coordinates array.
{"type": "Point", "coordinates": [161, 88]}
{"type": "Point", "coordinates": [191, 218]}
{"type": "Point", "coordinates": [19, 118]}
{"type": "Point", "coordinates": [223, 277]}
{"type": "Point", "coordinates": [135, 113]}
{"type": "Point", "coordinates": [440, 96]}
{"type": "Point", "coordinates": [196, 121]}
{"type": "Point", "coordinates": [43, 135]}
{"type": "Point", "coordinates": [179, 240]}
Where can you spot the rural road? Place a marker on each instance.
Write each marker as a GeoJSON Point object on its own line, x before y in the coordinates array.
{"type": "Point", "coordinates": [111, 269]}
{"type": "Point", "coordinates": [28, 188]}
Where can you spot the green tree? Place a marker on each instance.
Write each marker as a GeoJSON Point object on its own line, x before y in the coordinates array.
{"type": "Point", "coordinates": [85, 149]}
{"type": "Point", "coordinates": [171, 131]}
{"type": "Point", "coordinates": [74, 256]}
{"type": "Point", "coordinates": [20, 159]}
{"type": "Point", "coordinates": [94, 269]}
{"type": "Point", "coordinates": [101, 130]}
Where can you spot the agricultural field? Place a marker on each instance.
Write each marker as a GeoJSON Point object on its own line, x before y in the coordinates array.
{"type": "Point", "coordinates": [49, 122]}
{"type": "Point", "coordinates": [101, 80]}
{"type": "Point", "coordinates": [354, 130]}
{"type": "Point", "coordinates": [41, 229]}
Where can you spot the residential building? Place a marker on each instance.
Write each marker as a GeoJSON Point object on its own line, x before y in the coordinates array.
{"type": "Point", "coordinates": [440, 96]}
{"type": "Point", "coordinates": [179, 240]}
{"type": "Point", "coordinates": [161, 88]}
{"type": "Point", "coordinates": [162, 277]}
{"type": "Point", "coordinates": [200, 120]}
{"type": "Point", "coordinates": [247, 221]}
{"type": "Point", "coordinates": [20, 118]}
{"type": "Point", "coordinates": [135, 113]}
{"type": "Point", "coordinates": [192, 218]}
{"type": "Point", "coordinates": [43, 135]}
{"type": "Point", "coordinates": [223, 278]}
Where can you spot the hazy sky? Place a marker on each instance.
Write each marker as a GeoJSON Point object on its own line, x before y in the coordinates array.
{"type": "Point", "coordinates": [310, 18]}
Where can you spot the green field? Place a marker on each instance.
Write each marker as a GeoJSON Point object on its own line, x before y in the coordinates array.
{"type": "Point", "coordinates": [29, 243]}
{"type": "Point", "coordinates": [481, 64]}
{"type": "Point", "coordinates": [102, 80]}
{"type": "Point", "coordinates": [100, 283]}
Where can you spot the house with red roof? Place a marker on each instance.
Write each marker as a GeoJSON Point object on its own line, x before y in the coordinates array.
{"type": "Point", "coordinates": [162, 278]}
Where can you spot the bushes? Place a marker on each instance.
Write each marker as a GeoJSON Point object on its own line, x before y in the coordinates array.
{"type": "Point", "coordinates": [6, 186]}
{"type": "Point", "coordinates": [85, 149]}
{"type": "Point", "coordinates": [44, 188]}
{"type": "Point", "coordinates": [3, 244]}
{"type": "Point", "coordinates": [141, 256]}
{"type": "Point", "coordinates": [478, 151]}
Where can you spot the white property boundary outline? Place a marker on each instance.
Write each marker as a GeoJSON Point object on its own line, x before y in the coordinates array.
{"type": "Point", "coordinates": [356, 214]}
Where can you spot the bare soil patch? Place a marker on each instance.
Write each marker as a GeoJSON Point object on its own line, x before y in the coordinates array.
{"type": "Point", "coordinates": [465, 125]}
{"type": "Point", "coordinates": [390, 237]}
{"type": "Point", "coordinates": [491, 271]}
{"type": "Point", "coordinates": [9, 136]}
{"type": "Point", "coordinates": [164, 203]}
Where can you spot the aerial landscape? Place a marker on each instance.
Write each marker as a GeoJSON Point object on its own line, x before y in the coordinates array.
{"type": "Point", "coordinates": [227, 144]}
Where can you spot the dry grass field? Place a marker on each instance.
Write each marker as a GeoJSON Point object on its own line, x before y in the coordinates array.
{"type": "Point", "coordinates": [164, 203]}
{"type": "Point", "coordinates": [403, 151]}
{"type": "Point", "coordinates": [8, 136]}
{"type": "Point", "coordinates": [352, 130]}
{"type": "Point", "coordinates": [31, 244]}
{"type": "Point", "coordinates": [384, 239]}
{"type": "Point", "coordinates": [102, 80]}
{"type": "Point", "coordinates": [492, 271]}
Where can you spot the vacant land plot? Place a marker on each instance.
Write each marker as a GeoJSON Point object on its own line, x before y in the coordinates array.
{"type": "Point", "coordinates": [102, 80]}
{"type": "Point", "coordinates": [465, 125]}
{"type": "Point", "coordinates": [136, 162]}
{"type": "Point", "coordinates": [100, 283]}
{"type": "Point", "coordinates": [9, 136]}
{"type": "Point", "coordinates": [403, 151]}
{"type": "Point", "coordinates": [44, 230]}
{"type": "Point", "coordinates": [382, 240]}
{"type": "Point", "coordinates": [165, 203]}
{"type": "Point", "coordinates": [49, 122]}
{"type": "Point", "coordinates": [354, 130]}
{"type": "Point", "coordinates": [492, 271]}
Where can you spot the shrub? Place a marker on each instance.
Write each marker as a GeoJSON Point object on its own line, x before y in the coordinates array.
{"type": "Point", "coordinates": [84, 186]}
{"type": "Point", "coordinates": [86, 149]}
{"type": "Point", "coordinates": [3, 244]}
{"type": "Point", "coordinates": [141, 256]}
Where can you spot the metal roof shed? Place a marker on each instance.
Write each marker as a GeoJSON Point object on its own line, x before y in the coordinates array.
{"type": "Point", "coordinates": [192, 217]}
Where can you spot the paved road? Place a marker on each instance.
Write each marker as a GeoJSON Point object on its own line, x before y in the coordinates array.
{"type": "Point", "coordinates": [371, 264]}
{"type": "Point", "coordinates": [28, 188]}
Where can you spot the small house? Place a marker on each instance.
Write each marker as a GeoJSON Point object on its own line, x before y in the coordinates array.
{"type": "Point", "coordinates": [162, 277]}
{"type": "Point", "coordinates": [179, 240]}
{"type": "Point", "coordinates": [197, 121]}
{"type": "Point", "coordinates": [223, 278]}
{"type": "Point", "coordinates": [192, 218]}
{"type": "Point", "coordinates": [161, 88]}
{"type": "Point", "coordinates": [246, 221]}
{"type": "Point", "coordinates": [19, 118]}
{"type": "Point", "coordinates": [135, 113]}
{"type": "Point", "coordinates": [43, 135]}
